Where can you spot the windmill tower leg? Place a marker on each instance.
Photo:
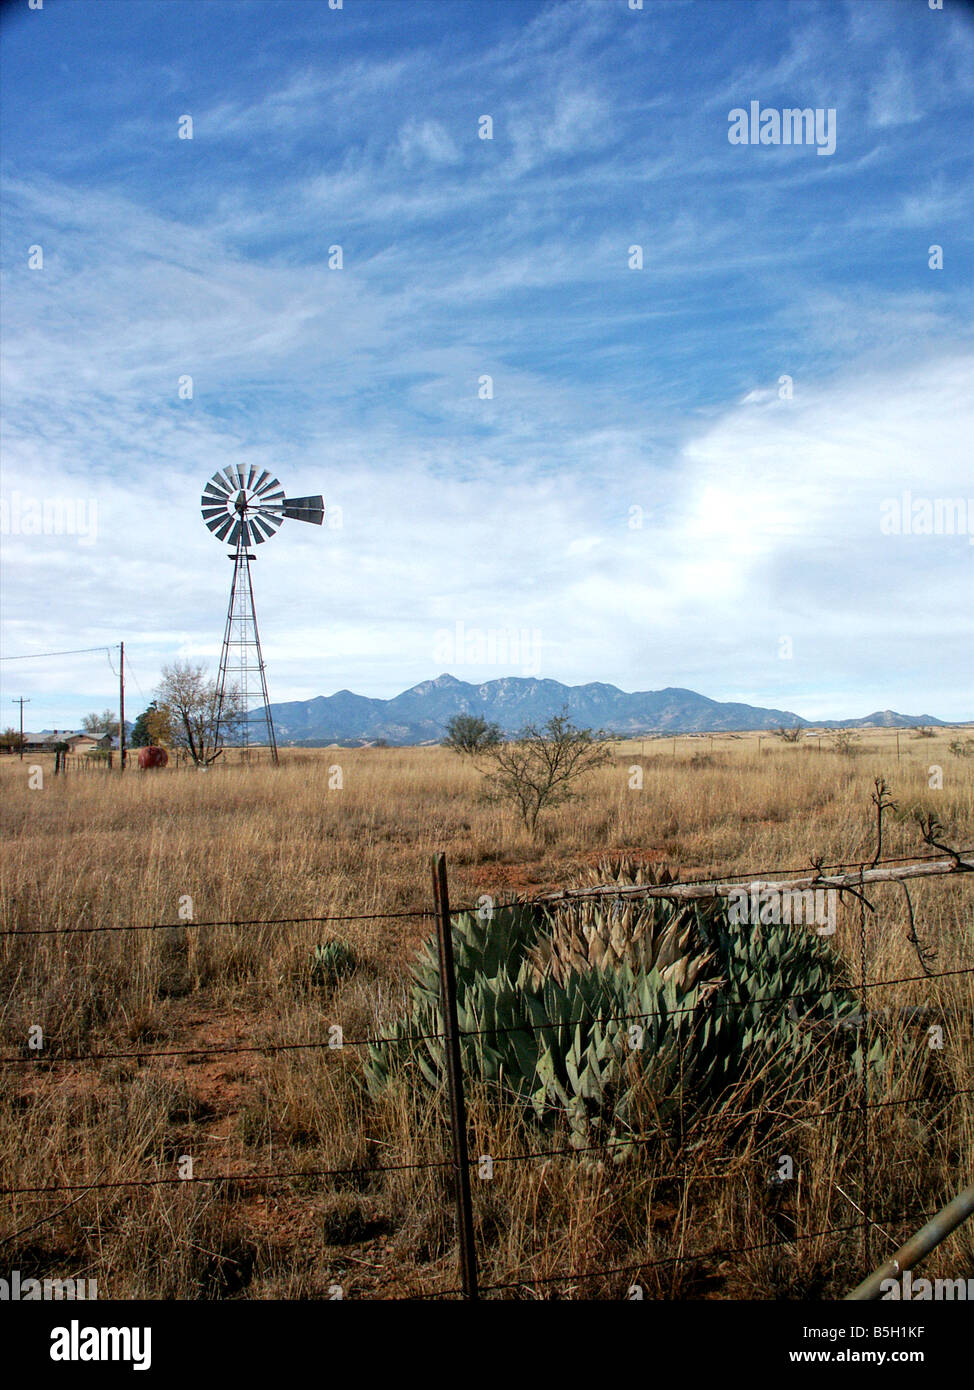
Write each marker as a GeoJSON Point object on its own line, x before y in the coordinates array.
{"type": "Point", "coordinates": [242, 678]}
{"type": "Point", "coordinates": [268, 719]}
{"type": "Point", "coordinates": [222, 680]}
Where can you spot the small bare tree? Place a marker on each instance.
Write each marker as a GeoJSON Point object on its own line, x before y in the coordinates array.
{"type": "Point", "coordinates": [98, 725]}
{"type": "Point", "coordinates": [541, 766]}
{"type": "Point", "coordinates": [789, 735]}
{"type": "Point", "coordinates": [191, 713]}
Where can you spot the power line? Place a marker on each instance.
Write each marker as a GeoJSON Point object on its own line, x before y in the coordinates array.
{"type": "Point", "coordinates": [131, 671]}
{"type": "Point", "coordinates": [38, 656]}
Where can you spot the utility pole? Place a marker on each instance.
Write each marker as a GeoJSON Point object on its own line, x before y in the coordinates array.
{"type": "Point", "coordinates": [21, 702]}
{"type": "Point", "coordinates": [121, 707]}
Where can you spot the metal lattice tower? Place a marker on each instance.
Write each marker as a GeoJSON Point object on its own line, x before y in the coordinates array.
{"type": "Point", "coordinates": [243, 508]}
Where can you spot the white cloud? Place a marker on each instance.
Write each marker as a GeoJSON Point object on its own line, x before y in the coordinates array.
{"type": "Point", "coordinates": [892, 98]}
{"type": "Point", "coordinates": [427, 141]}
{"type": "Point", "coordinates": [571, 122]}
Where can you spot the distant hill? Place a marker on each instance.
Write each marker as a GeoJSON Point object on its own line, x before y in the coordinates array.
{"type": "Point", "coordinates": [421, 714]}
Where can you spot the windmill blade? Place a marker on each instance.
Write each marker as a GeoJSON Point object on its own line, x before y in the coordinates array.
{"type": "Point", "coordinates": [312, 502]}
{"type": "Point", "coordinates": [266, 528]}
{"type": "Point", "coordinates": [305, 509]}
{"type": "Point", "coordinates": [241, 506]}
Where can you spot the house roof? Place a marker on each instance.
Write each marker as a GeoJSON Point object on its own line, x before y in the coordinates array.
{"type": "Point", "coordinates": [57, 736]}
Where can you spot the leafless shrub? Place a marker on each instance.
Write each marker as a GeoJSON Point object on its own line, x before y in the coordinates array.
{"type": "Point", "coordinates": [542, 766]}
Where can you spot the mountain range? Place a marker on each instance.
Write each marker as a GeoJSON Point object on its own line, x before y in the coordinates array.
{"type": "Point", "coordinates": [421, 714]}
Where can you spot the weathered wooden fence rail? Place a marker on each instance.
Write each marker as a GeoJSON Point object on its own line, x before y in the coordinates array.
{"type": "Point", "coordinates": [961, 862]}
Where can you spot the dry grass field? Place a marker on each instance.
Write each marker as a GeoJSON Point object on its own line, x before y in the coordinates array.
{"type": "Point", "coordinates": [257, 842]}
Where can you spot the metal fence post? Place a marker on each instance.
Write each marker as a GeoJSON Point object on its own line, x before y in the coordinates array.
{"type": "Point", "coordinates": [938, 1228]}
{"type": "Point", "coordinates": [454, 1076]}
{"type": "Point", "coordinates": [864, 1032]}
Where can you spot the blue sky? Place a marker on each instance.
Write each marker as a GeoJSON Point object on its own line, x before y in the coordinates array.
{"type": "Point", "coordinates": [643, 492]}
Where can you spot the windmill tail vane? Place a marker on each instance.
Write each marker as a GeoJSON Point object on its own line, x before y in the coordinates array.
{"type": "Point", "coordinates": [244, 506]}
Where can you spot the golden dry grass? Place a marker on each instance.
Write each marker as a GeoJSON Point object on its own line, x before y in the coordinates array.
{"type": "Point", "coordinates": [247, 843]}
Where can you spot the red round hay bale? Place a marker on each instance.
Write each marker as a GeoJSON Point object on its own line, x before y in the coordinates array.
{"type": "Point", "coordinates": [152, 757]}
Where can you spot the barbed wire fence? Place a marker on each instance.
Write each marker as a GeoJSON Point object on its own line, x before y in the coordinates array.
{"type": "Point", "coordinates": [846, 877]}
{"type": "Point", "coordinates": [948, 861]}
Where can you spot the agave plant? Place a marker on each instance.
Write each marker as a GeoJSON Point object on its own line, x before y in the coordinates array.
{"type": "Point", "coordinates": [583, 1009]}
{"type": "Point", "coordinates": [644, 933]}
{"type": "Point", "coordinates": [332, 962]}
{"type": "Point", "coordinates": [550, 1047]}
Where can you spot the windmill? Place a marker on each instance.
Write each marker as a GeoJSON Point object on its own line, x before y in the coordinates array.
{"type": "Point", "coordinates": [242, 508]}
